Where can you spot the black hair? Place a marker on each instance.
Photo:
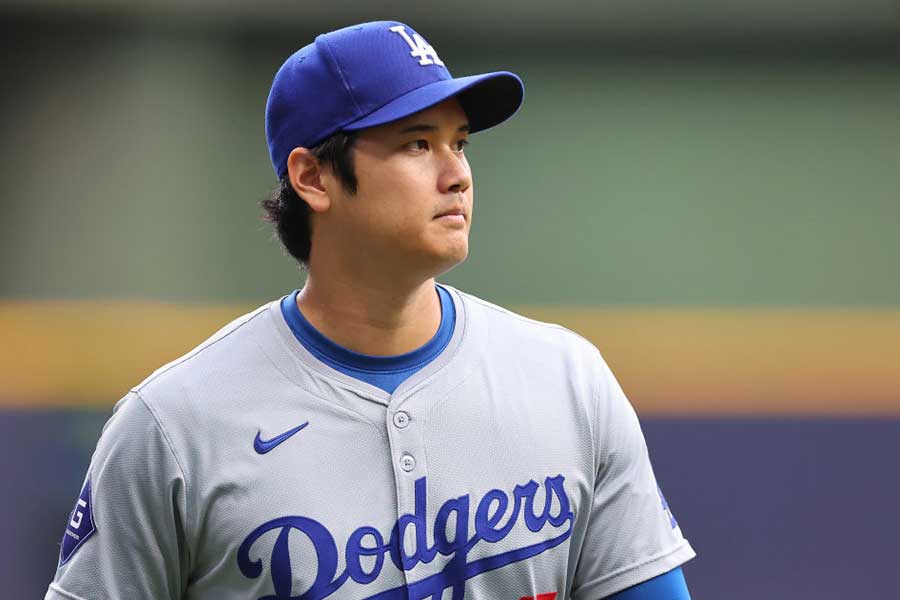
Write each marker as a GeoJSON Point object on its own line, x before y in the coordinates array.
{"type": "Point", "coordinates": [289, 213]}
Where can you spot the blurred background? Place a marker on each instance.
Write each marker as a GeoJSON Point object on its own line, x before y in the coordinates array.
{"type": "Point", "coordinates": [706, 190]}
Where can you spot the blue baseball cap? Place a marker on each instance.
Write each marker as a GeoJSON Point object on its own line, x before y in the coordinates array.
{"type": "Point", "coordinates": [370, 74]}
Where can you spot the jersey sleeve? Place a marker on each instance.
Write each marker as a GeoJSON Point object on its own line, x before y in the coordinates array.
{"type": "Point", "coordinates": [125, 536]}
{"type": "Point", "coordinates": [668, 586]}
{"type": "Point", "coordinates": [631, 534]}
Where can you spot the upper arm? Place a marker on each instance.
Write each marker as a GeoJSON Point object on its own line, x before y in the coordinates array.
{"type": "Point", "coordinates": [668, 586]}
{"type": "Point", "coordinates": [631, 535]}
{"type": "Point", "coordinates": [125, 536]}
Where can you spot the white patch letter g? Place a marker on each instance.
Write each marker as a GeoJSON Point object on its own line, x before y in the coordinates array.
{"type": "Point", "coordinates": [75, 521]}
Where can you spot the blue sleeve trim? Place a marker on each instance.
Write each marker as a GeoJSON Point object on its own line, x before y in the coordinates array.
{"type": "Point", "coordinates": [668, 586]}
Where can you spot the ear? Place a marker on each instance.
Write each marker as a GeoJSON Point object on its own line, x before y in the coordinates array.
{"type": "Point", "coordinates": [308, 179]}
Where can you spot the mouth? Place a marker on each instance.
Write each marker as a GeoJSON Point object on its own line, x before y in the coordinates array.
{"type": "Point", "coordinates": [456, 213]}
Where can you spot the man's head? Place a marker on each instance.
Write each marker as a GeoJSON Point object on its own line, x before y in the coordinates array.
{"type": "Point", "coordinates": [335, 114]}
{"type": "Point", "coordinates": [408, 206]}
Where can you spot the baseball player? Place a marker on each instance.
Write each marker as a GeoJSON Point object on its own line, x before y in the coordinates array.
{"type": "Point", "coordinates": [375, 434]}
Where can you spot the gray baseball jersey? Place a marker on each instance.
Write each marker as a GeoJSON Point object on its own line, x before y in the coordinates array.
{"type": "Point", "coordinates": [511, 466]}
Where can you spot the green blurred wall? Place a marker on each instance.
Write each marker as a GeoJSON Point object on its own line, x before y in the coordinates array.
{"type": "Point", "coordinates": [133, 162]}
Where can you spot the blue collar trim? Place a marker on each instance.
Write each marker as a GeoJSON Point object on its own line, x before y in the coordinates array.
{"type": "Point", "coordinates": [338, 356]}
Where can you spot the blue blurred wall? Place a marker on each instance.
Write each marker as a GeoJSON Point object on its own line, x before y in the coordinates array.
{"type": "Point", "coordinates": [775, 508]}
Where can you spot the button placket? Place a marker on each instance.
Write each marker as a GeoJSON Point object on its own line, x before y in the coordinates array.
{"type": "Point", "coordinates": [406, 433]}
{"type": "Point", "coordinates": [406, 440]}
{"type": "Point", "coordinates": [401, 419]}
{"type": "Point", "coordinates": [407, 462]}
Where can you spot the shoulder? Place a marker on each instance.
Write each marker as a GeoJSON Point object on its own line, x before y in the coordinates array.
{"type": "Point", "coordinates": [505, 324]}
{"type": "Point", "coordinates": [549, 346]}
{"type": "Point", "coordinates": [200, 401]}
{"type": "Point", "coordinates": [209, 372]}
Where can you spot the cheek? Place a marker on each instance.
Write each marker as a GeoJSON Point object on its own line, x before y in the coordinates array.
{"type": "Point", "coordinates": [392, 216]}
{"type": "Point", "coordinates": [379, 202]}
{"type": "Point", "coordinates": [402, 202]}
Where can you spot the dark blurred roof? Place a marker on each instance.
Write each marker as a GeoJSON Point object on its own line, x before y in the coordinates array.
{"type": "Point", "coordinates": [535, 21]}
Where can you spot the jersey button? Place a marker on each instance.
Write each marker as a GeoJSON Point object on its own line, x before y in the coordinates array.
{"type": "Point", "coordinates": [401, 419]}
{"type": "Point", "coordinates": [407, 462]}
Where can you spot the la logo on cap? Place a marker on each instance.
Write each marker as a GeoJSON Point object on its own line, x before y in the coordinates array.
{"type": "Point", "coordinates": [418, 47]}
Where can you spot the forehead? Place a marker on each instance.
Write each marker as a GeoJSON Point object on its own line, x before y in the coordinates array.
{"type": "Point", "coordinates": [446, 114]}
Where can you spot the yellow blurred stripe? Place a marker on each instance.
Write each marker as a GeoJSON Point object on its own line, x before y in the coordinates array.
{"type": "Point", "coordinates": [670, 361]}
{"type": "Point", "coordinates": [741, 361]}
{"type": "Point", "coordinates": [86, 353]}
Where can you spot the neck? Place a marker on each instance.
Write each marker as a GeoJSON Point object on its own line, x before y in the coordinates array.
{"type": "Point", "coordinates": [380, 319]}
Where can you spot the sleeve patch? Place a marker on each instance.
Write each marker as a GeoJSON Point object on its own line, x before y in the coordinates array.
{"type": "Point", "coordinates": [80, 526]}
{"type": "Point", "coordinates": [665, 507]}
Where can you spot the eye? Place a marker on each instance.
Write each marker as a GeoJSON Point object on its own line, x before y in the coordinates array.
{"type": "Point", "coordinates": [418, 145]}
{"type": "Point", "coordinates": [461, 144]}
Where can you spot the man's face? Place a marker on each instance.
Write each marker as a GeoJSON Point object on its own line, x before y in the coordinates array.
{"type": "Point", "coordinates": [413, 207]}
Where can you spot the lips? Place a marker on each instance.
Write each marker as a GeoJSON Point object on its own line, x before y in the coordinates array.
{"type": "Point", "coordinates": [455, 211]}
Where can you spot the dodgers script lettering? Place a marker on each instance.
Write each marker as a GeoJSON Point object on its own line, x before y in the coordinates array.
{"type": "Point", "coordinates": [366, 541]}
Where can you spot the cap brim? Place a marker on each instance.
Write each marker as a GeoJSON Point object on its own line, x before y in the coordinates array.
{"type": "Point", "coordinates": [488, 100]}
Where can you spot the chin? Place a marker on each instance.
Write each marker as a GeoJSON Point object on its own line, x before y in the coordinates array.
{"type": "Point", "coordinates": [448, 257]}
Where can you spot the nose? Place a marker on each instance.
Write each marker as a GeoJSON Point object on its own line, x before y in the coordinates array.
{"type": "Point", "coordinates": [455, 175]}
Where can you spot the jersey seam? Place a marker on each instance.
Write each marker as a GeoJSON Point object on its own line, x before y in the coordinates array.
{"type": "Point", "coordinates": [594, 424]}
{"type": "Point", "coordinates": [209, 343]}
{"type": "Point", "coordinates": [315, 395]}
{"type": "Point", "coordinates": [440, 400]}
{"type": "Point", "coordinates": [600, 449]}
{"type": "Point", "coordinates": [170, 445]}
{"type": "Point", "coordinates": [595, 445]}
{"type": "Point", "coordinates": [595, 471]}
{"type": "Point", "coordinates": [455, 353]}
{"type": "Point", "coordinates": [58, 590]}
{"type": "Point", "coordinates": [286, 339]}
{"type": "Point", "coordinates": [519, 317]}
{"type": "Point", "coordinates": [653, 559]}
{"type": "Point", "coordinates": [530, 321]}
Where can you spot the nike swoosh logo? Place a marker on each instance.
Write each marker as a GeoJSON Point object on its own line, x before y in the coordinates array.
{"type": "Point", "coordinates": [262, 446]}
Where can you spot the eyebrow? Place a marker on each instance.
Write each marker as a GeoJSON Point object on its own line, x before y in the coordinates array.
{"type": "Point", "coordinates": [429, 127]}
